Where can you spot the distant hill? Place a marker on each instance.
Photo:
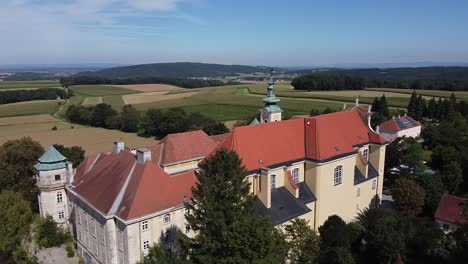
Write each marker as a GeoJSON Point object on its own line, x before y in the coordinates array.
{"type": "Point", "coordinates": [391, 74]}
{"type": "Point", "coordinates": [177, 70]}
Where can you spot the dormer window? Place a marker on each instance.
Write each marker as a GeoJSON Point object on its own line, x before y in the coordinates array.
{"type": "Point", "coordinates": [337, 175]}
{"type": "Point", "coordinates": [365, 153]}
{"type": "Point", "coordinates": [167, 219]}
{"type": "Point", "coordinates": [295, 175]}
{"type": "Point", "coordinates": [273, 181]}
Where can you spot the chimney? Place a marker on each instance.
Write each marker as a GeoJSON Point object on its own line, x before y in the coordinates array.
{"type": "Point", "coordinates": [118, 146]}
{"type": "Point", "coordinates": [143, 155]}
{"type": "Point", "coordinates": [71, 172]}
{"type": "Point", "coordinates": [344, 107]}
{"type": "Point", "coordinates": [357, 101]}
{"type": "Point", "coordinates": [377, 130]}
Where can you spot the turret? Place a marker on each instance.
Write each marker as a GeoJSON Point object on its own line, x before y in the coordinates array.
{"type": "Point", "coordinates": [53, 172]}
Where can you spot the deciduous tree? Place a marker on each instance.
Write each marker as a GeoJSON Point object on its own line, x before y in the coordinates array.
{"type": "Point", "coordinates": [408, 196]}
{"type": "Point", "coordinates": [304, 244]}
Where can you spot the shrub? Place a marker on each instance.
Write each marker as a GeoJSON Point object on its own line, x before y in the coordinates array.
{"type": "Point", "coordinates": [54, 128]}
{"type": "Point", "coordinates": [70, 250]}
{"type": "Point", "coordinates": [49, 234]}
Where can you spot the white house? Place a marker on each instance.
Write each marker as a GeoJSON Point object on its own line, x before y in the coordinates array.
{"type": "Point", "coordinates": [399, 127]}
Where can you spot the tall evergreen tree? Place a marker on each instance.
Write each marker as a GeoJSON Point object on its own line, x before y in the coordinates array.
{"type": "Point", "coordinates": [222, 214]}
{"type": "Point", "coordinates": [431, 108]}
{"type": "Point", "coordinates": [384, 107]}
{"type": "Point", "coordinates": [412, 104]}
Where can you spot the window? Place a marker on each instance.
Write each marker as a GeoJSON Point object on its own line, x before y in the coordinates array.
{"type": "Point", "coordinates": [145, 247]}
{"type": "Point", "coordinates": [167, 219]}
{"type": "Point", "coordinates": [59, 197]}
{"type": "Point", "coordinates": [86, 222]}
{"type": "Point", "coordinates": [79, 217]}
{"type": "Point", "coordinates": [338, 174]}
{"type": "Point", "coordinates": [187, 229]}
{"type": "Point", "coordinates": [57, 177]}
{"type": "Point", "coordinates": [295, 175]}
{"type": "Point", "coordinates": [365, 153]}
{"type": "Point", "coordinates": [103, 236]}
{"type": "Point", "coordinates": [446, 227]}
{"type": "Point", "coordinates": [61, 215]}
{"type": "Point", "coordinates": [374, 184]}
{"type": "Point", "coordinates": [79, 234]}
{"type": "Point", "coordinates": [144, 226]}
{"type": "Point", "coordinates": [273, 181]}
{"type": "Point", "coordinates": [186, 211]}
{"type": "Point", "coordinates": [358, 192]}
{"type": "Point", "coordinates": [93, 227]}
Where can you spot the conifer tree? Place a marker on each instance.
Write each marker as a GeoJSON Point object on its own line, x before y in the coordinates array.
{"type": "Point", "coordinates": [412, 104]}
{"type": "Point", "coordinates": [431, 108]}
{"type": "Point", "coordinates": [384, 107]}
{"type": "Point", "coordinates": [376, 105]}
{"type": "Point", "coordinates": [221, 213]}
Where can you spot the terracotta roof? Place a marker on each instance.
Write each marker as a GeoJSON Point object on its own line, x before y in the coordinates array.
{"type": "Point", "coordinates": [317, 138]}
{"type": "Point", "coordinates": [399, 123]}
{"type": "Point", "coordinates": [450, 209]}
{"type": "Point", "coordinates": [151, 190]}
{"type": "Point", "coordinates": [101, 185]}
{"type": "Point", "coordinates": [268, 143]}
{"type": "Point", "coordinates": [186, 146]}
{"type": "Point", "coordinates": [218, 139]}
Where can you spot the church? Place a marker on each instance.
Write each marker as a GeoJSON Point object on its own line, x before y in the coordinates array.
{"type": "Point", "coordinates": [120, 203]}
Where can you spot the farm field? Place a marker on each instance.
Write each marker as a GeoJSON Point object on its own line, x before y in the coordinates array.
{"type": "Point", "coordinates": [17, 85]}
{"type": "Point", "coordinates": [153, 97]}
{"type": "Point", "coordinates": [428, 93]}
{"type": "Point", "coordinates": [30, 108]}
{"type": "Point", "coordinates": [91, 139]}
{"type": "Point", "coordinates": [100, 90]}
{"type": "Point", "coordinates": [92, 101]}
{"type": "Point", "coordinates": [150, 87]}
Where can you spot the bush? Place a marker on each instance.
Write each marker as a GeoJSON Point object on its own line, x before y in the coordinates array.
{"type": "Point", "coordinates": [70, 250]}
{"type": "Point", "coordinates": [49, 234]}
{"type": "Point", "coordinates": [54, 128]}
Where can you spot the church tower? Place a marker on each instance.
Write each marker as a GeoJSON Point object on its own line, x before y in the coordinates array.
{"type": "Point", "coordinates": [53, 173]}
{"type": "Point", "coordinates": [271, 112]}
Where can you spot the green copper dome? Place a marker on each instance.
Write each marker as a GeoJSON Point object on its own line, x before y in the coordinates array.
{"type": "Point", "coordinates": [254, 122]}
{"type": "Point", "coordinates": [271, 100]}
{"type": "Point", "coordinates": [51, 160]}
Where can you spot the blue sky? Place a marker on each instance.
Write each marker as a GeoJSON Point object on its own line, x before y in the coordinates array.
{"type": "Point", "coordinates": [255, 32]}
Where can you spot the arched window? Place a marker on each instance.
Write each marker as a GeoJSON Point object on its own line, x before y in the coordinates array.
{"type": "Point", "coordinates": [59, 197]}
{"type": "Point", "coordinates": [273, 181]}
{"type": "Point", "coordinates": [337, 175]}
{"type": "Point", "coordinates": [365, 153]}
{"type": "Point", "coordinates": [295, 175]}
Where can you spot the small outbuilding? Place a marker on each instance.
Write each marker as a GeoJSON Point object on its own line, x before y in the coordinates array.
{"type": "Point", "coordinates": [399, 127]}
{"type": "Point", "coordinates": [451, 213]}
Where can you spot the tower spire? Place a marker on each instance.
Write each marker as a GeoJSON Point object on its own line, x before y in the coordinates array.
{"type": "Point", "coordinates": [271, 112]}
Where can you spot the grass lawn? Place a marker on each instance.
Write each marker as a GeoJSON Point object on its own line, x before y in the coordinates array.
{"type": "Point", "coordinates": [29, 108]}
{"type": "Point", "coordinates": [5, 85]}
{"type": "Point", "coordinates": [100, 90]}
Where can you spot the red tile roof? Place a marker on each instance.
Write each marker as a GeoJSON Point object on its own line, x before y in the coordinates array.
{"type": "Point", "coordinates": [317, 138]}
{"type": "Point", "coordinates": [218, 139]}
{"type": "Point", "coordinates": [151, 190]}
{"type": "Point", "coordinates": [186, 146]}
{"type": "Point", "coordinates": [394, 123]}
{"type": "Point", "coordinates": [450, 209]}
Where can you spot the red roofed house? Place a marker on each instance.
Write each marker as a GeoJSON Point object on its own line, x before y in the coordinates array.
{"type": "Point", "coordinates": [451, 213]}
{"type": "Point", "coordinates": [120, 203]}
{"type": "Point", "coordinates": [399, 127]}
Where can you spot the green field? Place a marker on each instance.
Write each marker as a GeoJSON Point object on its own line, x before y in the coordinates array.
{"type": "Point", "coordinates": [115, 100]}
{"type": "Point", "coordinates": [100, 90]}
{"type": "Point", "coordinates": [28, 85]}
{"type": "Point", "coordinates": [29, 108]}
{"type": "Point", "coordinates": [463, 95]}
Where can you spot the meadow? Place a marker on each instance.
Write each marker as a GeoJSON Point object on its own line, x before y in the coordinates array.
{"type": "Point", "coordinates": [30, 108]}
{"type": "Point", "coordinates": [5, 85]}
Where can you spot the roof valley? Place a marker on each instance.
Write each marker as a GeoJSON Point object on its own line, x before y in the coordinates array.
{"type": "Point", "coordinates": [118, 199]}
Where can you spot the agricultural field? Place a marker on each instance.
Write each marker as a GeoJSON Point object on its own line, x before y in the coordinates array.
{"type": "Point", "coordinates": [92, 101]}
{"type": "Point", "coordinates": [154, 97]}
{"type": "Point", "coordinates": [19, 85]}
{"type": "Point", "coordinates": [91, 139]}
{"type": "Point", "coordinates": [150, 87]}
{"type": "Point", "coordinates": [30, 108]}
{"type": "Point", "coordinates": [100, 90]}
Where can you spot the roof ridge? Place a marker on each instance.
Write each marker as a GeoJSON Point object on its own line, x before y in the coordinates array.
{"type": "Point", "coordinates": [118, 199]}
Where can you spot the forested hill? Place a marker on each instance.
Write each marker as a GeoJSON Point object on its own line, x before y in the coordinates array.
{"type": "Point", "coordinates": [393, 74]}
{"type": "Point", "coordinates": [177, 69]}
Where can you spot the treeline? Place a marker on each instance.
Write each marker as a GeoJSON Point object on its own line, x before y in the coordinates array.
{"type": "Point", "coordinates": [30, 76]}
{"type": "Point", "coordinates": [154, 122]}
{"type": "Point", "coordinates": [181, 82]}
{"type": "Point", "coordinates": [14, 96]}
{"type": "Point", "coordinates": [326, 82]}
{"type": "Point", "coordinates": [439, 110]}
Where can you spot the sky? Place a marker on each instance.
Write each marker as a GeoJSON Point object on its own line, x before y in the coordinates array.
{"type": "Point", "coordinates": [252, 32]}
